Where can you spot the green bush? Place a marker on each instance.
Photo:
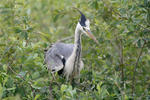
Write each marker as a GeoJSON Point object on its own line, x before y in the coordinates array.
{"type": "Point", "coordinates": [118, 68]}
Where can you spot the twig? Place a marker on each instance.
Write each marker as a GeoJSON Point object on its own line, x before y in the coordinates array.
{"type": "Point", "coordinates": [134, 71]}
{"type": "Point", "coordinates": [121, 61]}
{"type": "Point", "coordinates": [143, 94]}
{"type": "Point", "coordinates": [50, 91]}
{"type": "Point", "coordinates": [33, 91]}
{"type": "Point", "coordinates": [120, 46]}
{"type": "Point", "coordinates": [64, 39]}
{"type": "Point", "coordinates": [122, 66]}
{"type": "Point", "coordinates": [50, 88]}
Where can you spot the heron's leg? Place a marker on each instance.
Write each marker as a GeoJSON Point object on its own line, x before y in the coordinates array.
{"type": "Point", "coordinates": [67, 78]}
{"type": "Point", "coordinates": [79, 77]}
{"type": "Point", "coordinates": [53, 76]}
{"type": "Point", "coordinates": [71, 78]}
{"type": "Point", "coordinates": [81, 67]}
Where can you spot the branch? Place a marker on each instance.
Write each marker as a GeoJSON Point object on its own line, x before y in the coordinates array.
{"type": "Point", "coordinates": [50, 91]}
{"type": "Point", "coordinates": [65, 39]}
{"type": "Point", "coordinates": [30, 83]}
{"type": "Point", "coordinates": [121, 61]}
{"type": "Point", "coordinates": [50, 97]}
{"type": "Point", "coordinates": [121, 65]}
{"type": "Point", "coordinates": [143, 94]}
{"type": "Point", "coordinates": [134, 71]}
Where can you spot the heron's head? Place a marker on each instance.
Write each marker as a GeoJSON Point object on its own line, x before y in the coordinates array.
{"type": "Point", "coordinates": [84, 25]}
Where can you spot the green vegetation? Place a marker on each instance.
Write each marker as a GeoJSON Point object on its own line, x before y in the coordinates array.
{"type": "Point", "coordinates": [119, 68]}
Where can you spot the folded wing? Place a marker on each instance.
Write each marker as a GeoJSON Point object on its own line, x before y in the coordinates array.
{"type": "Point", "coordinates": [56, 54]}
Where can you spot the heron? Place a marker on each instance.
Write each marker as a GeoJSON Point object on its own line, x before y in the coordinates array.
{"type": "Point", "coordinates": [66, 58]}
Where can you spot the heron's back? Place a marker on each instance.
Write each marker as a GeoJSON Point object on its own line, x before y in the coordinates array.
{"type": "Point", "coordinates": [58, 49]}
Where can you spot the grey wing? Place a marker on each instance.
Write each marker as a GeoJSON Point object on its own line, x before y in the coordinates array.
{"type": "Point", "coordinates": [53, 57]}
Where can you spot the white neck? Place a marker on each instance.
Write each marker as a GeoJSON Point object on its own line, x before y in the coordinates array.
{"type": "Point", "coordinates": [78, 32]}
{"type": "Point", "coordinates": [73, 62]}
{"type": "Point", "coordinates": [77, 49]}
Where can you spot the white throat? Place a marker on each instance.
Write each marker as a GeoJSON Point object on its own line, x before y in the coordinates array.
{"type": "Point", "coordinates": [78, 33]}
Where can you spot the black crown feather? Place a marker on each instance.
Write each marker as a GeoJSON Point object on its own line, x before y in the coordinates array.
{"type": "Point", "coordinates": [82, 18]}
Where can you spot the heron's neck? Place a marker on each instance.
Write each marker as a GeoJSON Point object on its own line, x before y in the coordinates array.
{"type": "Point", "coordinates": [77, 49]}
{"type": "Point", "coordinates": [77, 40]}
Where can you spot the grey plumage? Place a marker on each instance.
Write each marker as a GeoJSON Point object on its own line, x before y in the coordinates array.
{"type": "Point", "coordinates": [54, 62]}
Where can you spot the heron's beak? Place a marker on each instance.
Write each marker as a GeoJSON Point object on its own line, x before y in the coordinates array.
{"type": "Point", "coordinates": [89, 33]}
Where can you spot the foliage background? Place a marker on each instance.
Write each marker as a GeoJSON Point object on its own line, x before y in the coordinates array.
{"type": "Point", "coordinates": [116, 69]}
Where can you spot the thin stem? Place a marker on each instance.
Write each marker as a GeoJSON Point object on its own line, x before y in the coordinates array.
{"type": "Point", "coordinates": [122, 66]}
{"type": "Point", "coordinates": [65, 39]}
{"type": "Point", "coordinates": [30, 83]}
{"type": "Point", "coordinates": [134, 70]}
{"type": "Point", "coordinates": [33, 91]}
{"type": "Point", "coordinates": [121, 62]}
{"type": "Point", "coordinates": [50, 86]}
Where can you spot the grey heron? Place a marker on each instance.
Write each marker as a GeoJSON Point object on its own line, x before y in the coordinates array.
{"type": "Point", "coordinates": [66, 58]}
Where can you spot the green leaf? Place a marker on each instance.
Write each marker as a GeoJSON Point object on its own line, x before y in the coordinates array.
{"type": "Point", "coordinates": [37, 97]}
{"type": "Point", "coordinates": [1, 91]}
{"type": "Point", "coordinates": [5, 67]}
{"type": "Point", "coordinates": [35, 75]}
{"type": "Point", "coordinates": [63, 88]}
